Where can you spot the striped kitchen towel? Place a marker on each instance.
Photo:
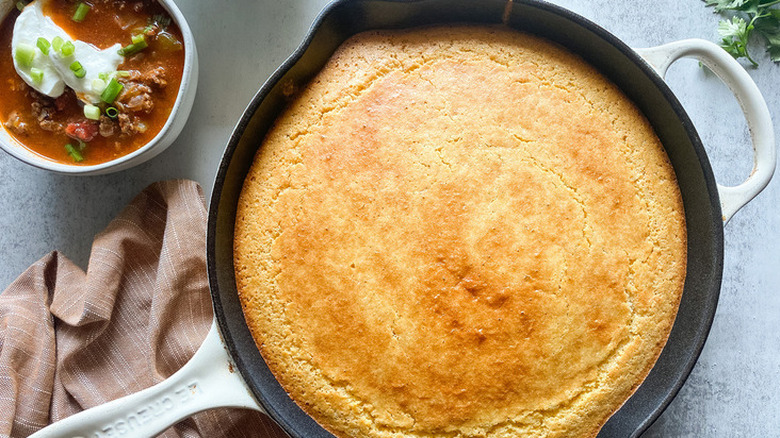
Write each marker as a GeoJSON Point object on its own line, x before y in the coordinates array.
{"type": "Point", "coordinates": [70, 340]}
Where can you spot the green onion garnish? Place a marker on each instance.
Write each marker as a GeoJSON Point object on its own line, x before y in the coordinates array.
{"type": "Point", "coordinates": [112, 91]}
{"type": "Point", "coordinates": [67, 49]}
{"type": "Point", "coordinates": [112, 112]}
{"type": "Point", "coordinates": [138, 45]}
{"type": "Point", "coordinates": [56, 43]}
{"type": "Point", "coordinates": [98, 85]}
{"type": "Point", "coordinates": [76, 155]}
{"type": "Point", "coordinates": [37, 75]}
{"type": "Point", "coordinates": [122, 74]}
{"type": "Point", "coordinates": [81, 12]}
{"type": "Point", "coordinates": [139, 38]}
{"type": "Point", "coordinates": [161, 20]}
{"type": "Point", "coordinates": [24, 54]}
{"type": "Point", "coordinates": [44, 45]}
{"type": "Point", "coordinates": [103, 76]}
{"type": "Point", "coordinates": [91, 112]}
{"type": "Point", "coordinates": [20, 5]}
{"type": "Point", "coordinates": [78, 69]}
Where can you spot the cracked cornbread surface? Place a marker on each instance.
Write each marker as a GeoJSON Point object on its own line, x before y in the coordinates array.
{"type": "Point", "coordinates": [460, 232]}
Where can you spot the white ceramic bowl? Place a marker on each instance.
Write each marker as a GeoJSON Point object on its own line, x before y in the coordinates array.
{"type": "Point", "coordinates": [163, 139]}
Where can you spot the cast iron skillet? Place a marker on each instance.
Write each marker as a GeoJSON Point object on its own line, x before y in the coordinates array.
{"type": "Point", "coordinates": [209, 380]}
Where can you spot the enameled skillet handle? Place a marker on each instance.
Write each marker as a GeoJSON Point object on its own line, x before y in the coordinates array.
{"type": "Point", "coordinates": [749, 97]}
{"type": "Point", "coordinates": [208, 380]}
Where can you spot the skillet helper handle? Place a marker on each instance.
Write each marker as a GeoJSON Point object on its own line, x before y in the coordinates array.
{"type": "Point", "coordinates": [208, 380]}
{"type": "Point", "coordinates": [750, 99]}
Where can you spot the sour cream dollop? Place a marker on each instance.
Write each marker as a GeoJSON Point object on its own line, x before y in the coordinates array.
{"type": "Point", "coordinates": [33, 24]}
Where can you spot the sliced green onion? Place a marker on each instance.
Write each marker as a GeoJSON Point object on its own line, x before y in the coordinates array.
{"type": "Point", "coordinates": [161, 20]}
{"type": "Point", "coordinates": [67, 49]}
{"type": "Point", "coordinates": [81, 12]}
{"type": "Point", "coordinates": [78, 69]}
{"type": "Point", "coordinates": [98, 85]}
{"type": "Point", "coordinates": [24, 54]}
{"type": "Point", "coordinates": [76, 155]}
{"type": "Point", "coordinates": [44, 45]}
{"type": "Point", "coordinates": [20, 5]}
{"type": "Point", "coordinates": [134, 48]}
{"type": "Point", "coordinates": [112, 112]}
{"type": "Point", "coordinates": [56, 43]}
{"type": "Point", "coordinates": [138, 38]}
{"type": "Point", "coordinates": [112, 91]}
{"type": "Point", "coordinates": [91, 112]}
{"type": "Point", "coordinates": [37, 75]}
{"type": "Point", "coordinates": [122, 74]}
{"type": "Point", "coordinates": [103, 76]}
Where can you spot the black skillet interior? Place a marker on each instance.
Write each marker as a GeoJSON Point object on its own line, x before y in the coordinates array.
{"type": "Point", "coordinates": [623, 66]}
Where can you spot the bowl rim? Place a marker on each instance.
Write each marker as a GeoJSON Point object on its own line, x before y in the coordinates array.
{"type": "Point", "coordinates": [180, 110]}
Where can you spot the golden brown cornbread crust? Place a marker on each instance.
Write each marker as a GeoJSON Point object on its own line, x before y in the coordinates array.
{"type": "Point", "coordinates": [460, 232]}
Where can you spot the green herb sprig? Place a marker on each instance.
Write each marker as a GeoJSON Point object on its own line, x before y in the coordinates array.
{"type": "Point", "coordinates": [749, 16]}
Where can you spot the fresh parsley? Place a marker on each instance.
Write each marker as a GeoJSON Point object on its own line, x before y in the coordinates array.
{"type": "Point", "coordinates": [749, 16]}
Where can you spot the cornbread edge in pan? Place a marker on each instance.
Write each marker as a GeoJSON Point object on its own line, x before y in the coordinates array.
{"type": "Point", "coordinates": [460, 232]}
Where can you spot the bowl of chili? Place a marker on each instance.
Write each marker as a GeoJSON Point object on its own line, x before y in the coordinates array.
{"type": "Point", "coordinates": [93, 86]}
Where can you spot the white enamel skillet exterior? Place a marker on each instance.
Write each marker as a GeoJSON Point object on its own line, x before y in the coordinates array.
{"type": "Point", "coordinates": [173, 126]}
{"type": "Point", "coordinates": [211, 379]}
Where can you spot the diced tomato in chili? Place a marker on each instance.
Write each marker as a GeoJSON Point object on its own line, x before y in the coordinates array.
{"type": "Point", "coordinates": [84, 130]}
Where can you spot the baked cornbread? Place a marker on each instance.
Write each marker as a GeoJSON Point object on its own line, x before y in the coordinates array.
{"type": "Point", "coordinates": [460, 232]}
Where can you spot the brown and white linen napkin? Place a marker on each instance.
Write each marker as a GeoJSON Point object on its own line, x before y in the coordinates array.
{"type": "Point", "coordinates": [70, 340]}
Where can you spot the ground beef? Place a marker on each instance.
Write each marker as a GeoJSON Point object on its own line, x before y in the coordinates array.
{"type": "Point", "coordinates": [16, 124]}
{"type": "Point", "coordinates": [51, 126]}
{"type": "Point", "coordinates": [43, 110]}
{"type": "Point", "coordinates": [135, 97]}
{"type": "Point", "coordinates": [130, 125]}
{"type": "Point", "coordinates": [106, 126]}
{"type": "Point", "coordinates": [44, 114]}
{"type": "Point", "coordinates": [153, 78]}
{"type": "Point", "coordinates": [157, 77]}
